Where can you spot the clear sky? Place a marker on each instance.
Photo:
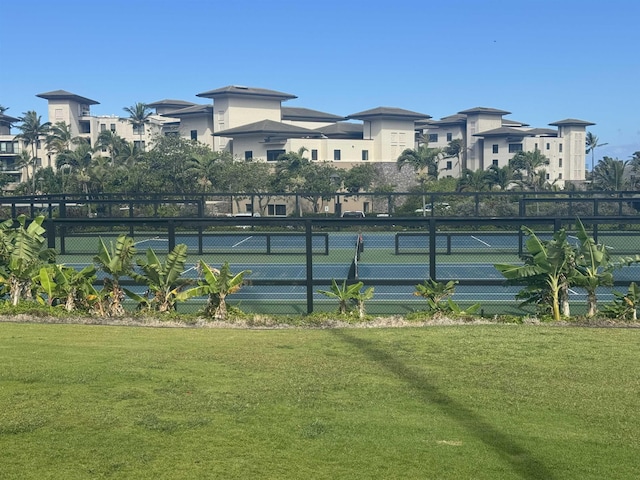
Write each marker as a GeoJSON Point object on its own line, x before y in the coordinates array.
{"type": "Point", "coordinates": [542, 60]}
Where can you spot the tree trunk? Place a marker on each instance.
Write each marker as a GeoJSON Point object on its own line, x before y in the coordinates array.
{"type": "Point", "coordinates": [592, 303]}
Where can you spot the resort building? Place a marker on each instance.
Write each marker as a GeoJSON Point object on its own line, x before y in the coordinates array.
{"type": "Point", "coordinates": [252, 123]}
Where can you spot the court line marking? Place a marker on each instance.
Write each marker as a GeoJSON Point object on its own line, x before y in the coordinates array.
{"type": "Point", "coordinates": [151, 240]}
{"type": "Point", "coordinates": [242, 241]}
{"type": "Point", "coordinates": [481, 241]}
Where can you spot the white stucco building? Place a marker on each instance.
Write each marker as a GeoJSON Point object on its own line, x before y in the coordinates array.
{"type": "Point", "coordinates": [253, 123]}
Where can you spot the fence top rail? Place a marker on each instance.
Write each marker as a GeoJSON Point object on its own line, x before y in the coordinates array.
{"type": "Point", "coordinates": [345, 222]}
{"type": "Point", "coordinates": [196, 197]}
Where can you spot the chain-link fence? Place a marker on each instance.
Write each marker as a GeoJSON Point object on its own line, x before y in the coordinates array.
{"type": "Point", "coordinates": [291, 259]}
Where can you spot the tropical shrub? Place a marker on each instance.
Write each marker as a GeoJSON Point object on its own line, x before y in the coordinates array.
{"type": "Point", "coordinates": [216, 285]}
{"type": "Point", "coordinates": [438, 296]}
{"type": "Point", "coordinates": [162, 279]}
{"type": "Point", "coordinates": [624, 306]}
{"type": "Point", "coordinates": [348, 295]}
{"type": "Point", "coordinates": [116, 261]}
{"type": "Point", "coordinates": [22, 253]}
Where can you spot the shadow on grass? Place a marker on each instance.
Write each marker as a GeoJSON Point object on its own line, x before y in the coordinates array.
{"type": "Point", "coordinates": [522, 461]}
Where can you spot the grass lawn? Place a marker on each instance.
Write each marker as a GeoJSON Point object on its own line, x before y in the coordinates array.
{"type": "Point", "coordinates": [466, 402]}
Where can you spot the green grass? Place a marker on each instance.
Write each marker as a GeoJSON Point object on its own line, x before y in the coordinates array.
{"type": "Point", "coordinates": [467, 402]}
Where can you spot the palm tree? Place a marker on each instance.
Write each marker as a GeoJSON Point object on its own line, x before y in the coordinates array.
{"type": "Point", "coordinates": [610, 175]}
{"type": "Point", "coordinates": [455, 149]}
{"type": "Point", "coordinates": [471, 181]}
{"type": "Point", "coordinates": [3, 109]}
{"type": "Point", "coordinates": [24, 161]}
{"type": "Point", "coordinates": [592, 143]}
{"type": "Point", "coordinates": [78, 162]}
{"type": "Point", "coordinates": [423, 159]}
{"type": "Point", "coordinates": [127, 160]}
{"type": "Point", "coordinates": [203, 167]}
{"type": "Point", "coordinates": [525, 164]}
{"type": "Point", "coordinates": [139, 115]}
{"type": "Point", "coordinates": [500, 177]}
{"type": "Point", "coordinates": [31, 131]}
{"type": "Point", "coordinates": [58, 138]}
{"type": "Point", "coordinates": [110, 141]}
{"type": "Point", "coordinates": [634, 163]}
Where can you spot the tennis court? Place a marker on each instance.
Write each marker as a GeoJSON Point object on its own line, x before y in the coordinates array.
{"type": "Point", "coordinates": [392, 262]}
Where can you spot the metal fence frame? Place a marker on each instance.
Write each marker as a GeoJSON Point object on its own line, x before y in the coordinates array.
{"type": "Point", "coordinates": [56, 229]}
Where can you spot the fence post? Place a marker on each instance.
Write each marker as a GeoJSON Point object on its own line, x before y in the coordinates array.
{"type": "Point", "coordinates": [171, 232]}
{"type": "Point", "coordinates": [309, 252]}
{"type": "Point", "coordinates": [432, 248]}
{"type": "Point", "coordinates": [50, 227]}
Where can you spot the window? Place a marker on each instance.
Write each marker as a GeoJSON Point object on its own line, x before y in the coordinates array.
{"type": "Point", "coordinates": [560, 147]}
{"type": "Point", "coordinates": [194, 134]}
{"type": "Point", "coordinates": [248, 154]}
{"type": "Point", "coordinates": [58, 114]}
{"type": "Point", "coordinates": [494, 162]}
{"type": "Point", "coordinates": [113, 127]}
{"type": "Point", "coordinates": [559, 176]}
{"type": "Point", "coordinates": [279, 210]}
{"type": "Point", "coordinates": [138, 129]}
{"type": "Point", "coordinates": [7, 147]}
{"type": "Point", "coordinates": [515, 147]}
{"type": "Point", "coordinates": [548, 146]}
{"type": "Point", "coordinates": [272, 155]}
{"type": "Point", "coordinates": [248, 208]}
{"type": "Point", "coordinates": [449, 165]}
{"type": "Point", "coordinates": [103, 127]}
{"type": "Point", "coordinates": [548, 176]}
{"type": "Point", "coordinates": [535, 146]}
{"type": "Point", "coordinates": [336, 154]}
{"type": "Point", "coordinates": [560, 162]}
{"type": "Point", "coordinates": [495, 148]}
{"type": "Point", "coordinates": [138, 144]}
{"type": "Point", "coordinates": [449, 137]}
{"type": "Point", "coordinates": [365, 155]}
{"type": "Point", "coordinates": [366, 208]}
{"type": "Point", "coordinates": [314, 154]}
{"type": "Point", "coordinates": [433, 137]}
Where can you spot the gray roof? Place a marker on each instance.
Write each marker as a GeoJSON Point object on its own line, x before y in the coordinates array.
{"type": "Point", "coordinates": [492, 111]}
{"type": "Point", "coordinates": [239, 90]}
{"type": "Point", "coordinates": [192, 110]}
{"type": "Point", "coordinates": [7, 119]}
{"type": "Point", "coordinates": [571, 121]}
{"type": "Point", "coordinates": [507, 122]}
{"type": "Point", "coordinates": [543, 132]}
{"type": "Point", "coordinates": [64, 95]}
{"type": "Point", "coordinates": [502, 131]}
{"type": "Point", "coordinates": [170, 103]}
{"type": "Point", "coordinates": [455, 119]}
{"type": "Point", "coordinates": [389, 112]}
{"type": "Point", "coordinates": [342, 130]}
{"type": "Point", "coordinates": [269, 128]}
{"type": "Point", "coordinates": [306, 114]}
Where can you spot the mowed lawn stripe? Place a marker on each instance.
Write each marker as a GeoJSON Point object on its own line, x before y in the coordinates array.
{"type": "Point", "coordinates": [438, 402]}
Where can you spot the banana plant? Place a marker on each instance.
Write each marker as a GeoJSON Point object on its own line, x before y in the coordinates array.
{"type": "Point", "coordinates": [216, 284]}
{"type": "Point", "coordinates": [162, 279]}
{"type": "Point", "coordinates": [347, 294]}
{"type": "Point", "coordinates": [116, 261]}
{"type": "Point", "coordinates": [594, 267]}
{"type": "Point", "coordinates": [548, 270]}
{"type": "Point", "coordinates": [22, 253]}
{"type": "Point", "coordinates": [438, 296]}
{"type": "Point", "coordinates": [65, 286]}
{"type": "Point", "coordinates": [624, 306]}
{"type": "Point", "coordinates": [435, 292]}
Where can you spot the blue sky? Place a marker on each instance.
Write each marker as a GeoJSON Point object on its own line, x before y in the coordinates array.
{"type": "Point", "coordinates": [542, 60]}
